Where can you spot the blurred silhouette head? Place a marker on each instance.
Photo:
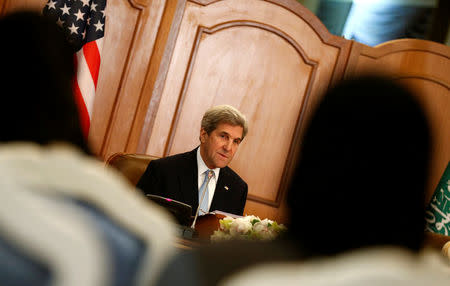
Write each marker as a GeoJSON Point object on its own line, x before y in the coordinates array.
{"type": "Point", "coordinates": [38, 103]}
{"type": "Point", "coordinates": [361, 176]}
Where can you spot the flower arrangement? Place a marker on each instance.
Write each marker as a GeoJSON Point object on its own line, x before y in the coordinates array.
{"type": "Point", "coordinates": [247, 228]}
{"type": "Point", "coordinates": [446, 249]}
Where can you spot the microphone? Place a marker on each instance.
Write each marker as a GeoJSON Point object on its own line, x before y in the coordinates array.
{"type": "Point", "coordinates": [210, 174]}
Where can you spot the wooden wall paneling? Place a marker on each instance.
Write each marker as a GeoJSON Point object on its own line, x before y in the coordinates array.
{"type": "Point", "coordinates": [155, 79]}
{"type": "Point", "coordinates": [9, 6]}
{"type": "Point", "coordinates": [270, 59]}
{"type": "Point", "coordinates": [424, 66]}
{"type": "Point", "coordinates": [131, 31]}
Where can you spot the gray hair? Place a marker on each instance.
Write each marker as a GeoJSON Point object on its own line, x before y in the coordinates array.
{"type": "Point", "coordinates": [223, 114]}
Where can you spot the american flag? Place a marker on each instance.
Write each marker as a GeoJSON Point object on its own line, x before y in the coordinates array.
{"type": "Point", "coordinates": [84, 23]}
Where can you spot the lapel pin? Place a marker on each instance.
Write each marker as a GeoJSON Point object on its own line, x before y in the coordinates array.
{"type": "Point", "coordinates": [226, 188]}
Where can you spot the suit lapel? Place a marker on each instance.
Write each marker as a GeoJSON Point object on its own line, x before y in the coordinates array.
{"type": "Point", "coordinates": [219, 201]}
{"type": "Point", "coordinates": [188, 180]}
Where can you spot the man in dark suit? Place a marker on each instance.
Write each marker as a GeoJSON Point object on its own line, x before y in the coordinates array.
{"type": "Point", "coordinates": [183, 177]}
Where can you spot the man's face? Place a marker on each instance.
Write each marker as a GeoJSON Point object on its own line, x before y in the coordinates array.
{"type": "Point", "coordinates": [217, 149]}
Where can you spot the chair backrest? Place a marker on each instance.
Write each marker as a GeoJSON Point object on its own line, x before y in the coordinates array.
{"type": "Point", "coordinates": [132, 166]}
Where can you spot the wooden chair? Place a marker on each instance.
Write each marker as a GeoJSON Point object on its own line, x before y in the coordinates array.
{"type": "Point", "coordinates": [132, 166]}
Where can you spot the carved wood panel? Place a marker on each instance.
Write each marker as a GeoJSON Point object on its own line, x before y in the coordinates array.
{"type": "Point", "coordinates": [259, 56]}
{"type": "Point", "coordinates": [425, 67]}
{"type": "Point", "coordinates": [131, 31]}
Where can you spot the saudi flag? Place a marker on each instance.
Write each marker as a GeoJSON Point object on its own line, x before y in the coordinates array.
{"type": "Point", "coordinates": [437, 214]}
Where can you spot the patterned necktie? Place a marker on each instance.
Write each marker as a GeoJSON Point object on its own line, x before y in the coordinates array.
{"type": "Point", "coordinates": [203, 193]}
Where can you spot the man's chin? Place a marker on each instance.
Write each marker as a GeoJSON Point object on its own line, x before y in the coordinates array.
{"type": "Point", "coordinates": [221, 164]}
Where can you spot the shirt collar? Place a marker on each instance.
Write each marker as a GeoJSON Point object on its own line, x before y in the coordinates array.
{"type": "Point", "coordinates": [201, 166]}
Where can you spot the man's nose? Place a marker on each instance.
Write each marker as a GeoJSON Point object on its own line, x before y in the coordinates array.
{"type": "Point", "coordinates": [227, 146]}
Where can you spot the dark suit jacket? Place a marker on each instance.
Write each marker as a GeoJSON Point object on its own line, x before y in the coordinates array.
{"type": "Point", "coordinates": [176, 177]}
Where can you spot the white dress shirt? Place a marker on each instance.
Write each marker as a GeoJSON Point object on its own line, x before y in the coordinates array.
{"type": "Point", "coordinates": [201, 166]}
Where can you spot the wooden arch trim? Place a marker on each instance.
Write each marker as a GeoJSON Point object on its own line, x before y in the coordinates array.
{"type": "Point", "coordinates": [421, 77]}
{"type": "Point", "coordinates": [139, 4]}
{"type": "Point", "coordinates": [405, 45]}
{"type": "Point", "coordinates": [296, 8]}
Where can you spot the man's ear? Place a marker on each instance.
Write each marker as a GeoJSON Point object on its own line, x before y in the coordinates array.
{"type": "Point", "coordinates": [203, 135]}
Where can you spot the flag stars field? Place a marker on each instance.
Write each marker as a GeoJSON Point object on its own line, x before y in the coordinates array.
{"type": "Point", "coordinates": [65, 10]}
{"type": "Point", "coordinates": [75, 16]}
{"type": "Point", "coordinates": [73, 29]}
{"type": "Point", "coordinates": [60, 22]}
{"type": "Point", "coordinates": [98, 26]}
{"type": "Point", "coordinates": [80, 15]}
{"type": "Point", "coordinates": [51, 5]}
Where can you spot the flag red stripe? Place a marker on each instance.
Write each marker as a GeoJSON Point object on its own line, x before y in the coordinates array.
{"type": "Point", "coordinates": [79, 100]}
{"type": "Point", "coordinates": [92, 56]}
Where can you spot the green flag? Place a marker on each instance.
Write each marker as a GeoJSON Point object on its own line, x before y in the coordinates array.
{"type": "Point", "coordinates": [437, 214]}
